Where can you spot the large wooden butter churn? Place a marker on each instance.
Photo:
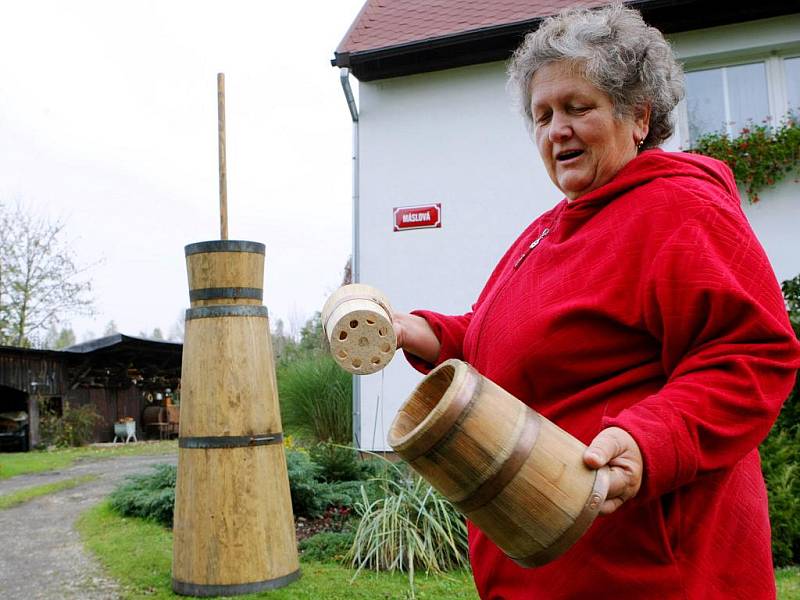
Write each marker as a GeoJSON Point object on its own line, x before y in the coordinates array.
{"type": "Point", "coordinates": [234, 529]}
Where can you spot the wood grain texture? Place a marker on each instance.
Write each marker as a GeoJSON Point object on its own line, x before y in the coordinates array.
{"type": "Point", "coordinates": [521, 478]}
{"type": "Point", "coordinates": [225, 270]}
{"type": "Point", "coordinates": [223, 168]}
{"type": "Point", "coordinates": [358, 323]}
{"type": "Point", "coordinates": [233, 514]}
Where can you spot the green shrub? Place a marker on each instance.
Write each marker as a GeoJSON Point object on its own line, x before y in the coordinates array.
{"type": "Point", "coordinates": [152, 495]}
{"type": "Point", "coordinates": [306, 490]}
{"type": "Point", "coordinates": [760, 156]}
{"type": "Point", "coordinates": [311, 496]}
{"type": "Point", "coordinates": [341, 463]}
{"type": "Point", "coordinates": [780, 459]}
{"type": "Point", "coordinates": [316, 398]}
{"type": "Point", "coordinates": [74, 428]}
{"type": "Point", "coordinates": [330, 546]}
{"type": "Point", "coordinates": [781, 467]}
{"type": "Point", "coordinates": [410, 527]}
{"type": "Point", "coordinates": [149, 496]}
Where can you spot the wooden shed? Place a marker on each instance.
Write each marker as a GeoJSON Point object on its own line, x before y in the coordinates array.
{"type": "Point", "coordinates": [119, 375]}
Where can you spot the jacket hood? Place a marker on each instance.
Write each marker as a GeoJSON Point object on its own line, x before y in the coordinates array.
{"type": "Point", "coordinates": [657, 164]}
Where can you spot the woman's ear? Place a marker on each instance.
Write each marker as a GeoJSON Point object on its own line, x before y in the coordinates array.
{"type": "Point", "coordinates": [641, 119]}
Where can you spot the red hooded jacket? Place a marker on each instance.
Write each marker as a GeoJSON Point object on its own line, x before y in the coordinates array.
{"type": "Point", "coordinates": [647, 304]}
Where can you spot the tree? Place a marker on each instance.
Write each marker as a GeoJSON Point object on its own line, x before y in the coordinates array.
{"type": "Point", "coordinates": [312, 335]}
{"type": "Point", "coordinates": [40, 281]}
{"type": "Point", "coordinates": [177, 331]}
{"type": "Point", "coordinates": [59, 339]}
{"type": "Point", "coordinates": [111, 329]}
{"type": "Point", "coordinates": [347, 276]}
{"type": "Point", "coordinates": [157, 335]}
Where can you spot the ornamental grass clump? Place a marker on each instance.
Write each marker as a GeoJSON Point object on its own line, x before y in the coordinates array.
{"type": "Point", "coordinates": [410, 527]}
{"type": "Point", "coordinates": [761, 155]}
{"type": "Point", "coordinates": [316, 398]}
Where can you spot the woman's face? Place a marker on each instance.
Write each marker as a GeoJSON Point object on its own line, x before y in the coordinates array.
{"type": "Point", "coordinates": [582, 142]}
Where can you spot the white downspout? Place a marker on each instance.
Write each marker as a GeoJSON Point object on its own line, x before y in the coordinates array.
{"type": "Point", "coordinates": [344, 78]}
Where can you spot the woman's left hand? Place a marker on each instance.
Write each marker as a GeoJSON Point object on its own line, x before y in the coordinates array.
{"type": "Point", "coordinates": [616, 448]}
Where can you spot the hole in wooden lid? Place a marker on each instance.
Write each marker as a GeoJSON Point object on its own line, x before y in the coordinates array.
{"type": "Point", "coordinates": [353, 324]}
{"type": "Point", "coordinates": [363, 342]}
{"type": "Point", "coordinates": [342, 335]}
{"type": "Point", "coordinates": [342, 354]}
{"type": "Point", "coordinates": [370, 321]}
{"type": "Point", "coordinates": [375, 360]}
{"type": "Point", "coordinates": [386, 347]}
{"type": "Point", "coordinates": [357, 363]}
{"type": "Point", "coordinates": [381, 332]}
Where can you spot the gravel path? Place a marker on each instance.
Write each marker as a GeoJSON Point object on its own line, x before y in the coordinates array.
{"type": "Point", "coordinates": [42, 555]}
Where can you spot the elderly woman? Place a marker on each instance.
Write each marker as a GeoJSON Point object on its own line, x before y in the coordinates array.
{"type": "Point", "coordinates": [641, 315]}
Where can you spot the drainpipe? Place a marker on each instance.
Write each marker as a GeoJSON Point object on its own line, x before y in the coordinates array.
{"type": "Point", "coordinates": [344, 78]}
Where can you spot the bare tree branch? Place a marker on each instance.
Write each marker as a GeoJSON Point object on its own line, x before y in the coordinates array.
{"type": "Point", "coordinates": [40, 283]}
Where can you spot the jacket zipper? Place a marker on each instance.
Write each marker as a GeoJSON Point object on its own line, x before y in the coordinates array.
{"type": "Point", "coordinates": [530, 248]}
{"type": "Point", "coordinates": [505, 281]}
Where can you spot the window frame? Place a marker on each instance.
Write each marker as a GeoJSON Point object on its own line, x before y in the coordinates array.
{"type": "Point", "coordinates": [777, 99]}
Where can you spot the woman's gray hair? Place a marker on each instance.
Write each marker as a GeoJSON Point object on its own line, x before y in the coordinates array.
{"type": "Point", "coordinates": [617, 52]}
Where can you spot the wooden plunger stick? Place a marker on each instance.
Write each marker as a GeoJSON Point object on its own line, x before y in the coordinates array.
{"type": "Point", "coordinates": [223, 176]}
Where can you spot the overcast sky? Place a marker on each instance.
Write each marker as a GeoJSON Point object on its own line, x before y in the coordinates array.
{"type": "Point", "coordinates": [108, 121]}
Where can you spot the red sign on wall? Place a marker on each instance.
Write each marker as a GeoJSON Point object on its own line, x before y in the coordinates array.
{"type": "Point", "coordinates": [417, 217]}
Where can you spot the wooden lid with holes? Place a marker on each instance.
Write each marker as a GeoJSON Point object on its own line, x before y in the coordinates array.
{"type": "Point", "coordinates": [357, 319]}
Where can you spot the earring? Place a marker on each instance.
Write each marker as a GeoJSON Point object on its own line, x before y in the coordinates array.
{"type": "Point", "coordinates": [639, 144]}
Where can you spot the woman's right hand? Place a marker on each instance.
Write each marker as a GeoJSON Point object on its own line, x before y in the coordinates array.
{"type": "Point", "coordinates": [415, 336]}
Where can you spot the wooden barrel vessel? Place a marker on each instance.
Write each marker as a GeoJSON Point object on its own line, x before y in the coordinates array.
{"type": "Point", "coordinates": [519, 477]}
{"type": "Point", "coordinates": [234, 529]}
{"type": "Point", "coordinates": [357, 320]}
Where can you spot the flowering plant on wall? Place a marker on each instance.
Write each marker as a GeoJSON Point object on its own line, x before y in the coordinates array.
{"type": "Point", "coordinates": [760, 156]}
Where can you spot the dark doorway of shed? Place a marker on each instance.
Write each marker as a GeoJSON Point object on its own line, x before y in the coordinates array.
{"type": "Point", "coordinates": [14, 420]}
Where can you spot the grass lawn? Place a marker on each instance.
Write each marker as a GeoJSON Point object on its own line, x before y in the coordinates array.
{"type": "Point", "coordinates": [21, 496]}
{"type": "Point", "coordinates": [139, 555]}
{"type": "Point", "coordinates": [35, 461]}
{"type": "Point", "coordinates": [788, 581]}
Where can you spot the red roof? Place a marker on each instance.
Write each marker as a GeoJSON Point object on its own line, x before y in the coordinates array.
{"type": "Point", "coordinates": [386, 23]}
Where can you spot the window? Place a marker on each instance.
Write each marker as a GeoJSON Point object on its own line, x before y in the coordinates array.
{"type": "Point", "coordinates": [791, 68]}
{"type": "Point", "coordinates": [728, 97]}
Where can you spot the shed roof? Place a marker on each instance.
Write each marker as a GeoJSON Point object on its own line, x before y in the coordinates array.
{"type": "Point", "coordinates": [118, 341]}
{"type": "Point", "coordinates": [390, 38]}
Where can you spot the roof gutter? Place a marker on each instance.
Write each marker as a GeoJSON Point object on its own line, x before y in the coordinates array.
{"type": "Point", "coordinates": [344, 79]}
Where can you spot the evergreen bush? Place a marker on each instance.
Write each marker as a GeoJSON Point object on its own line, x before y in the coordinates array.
{"type": "Point", "coordinates": [341, 463]}
{"type": "Point", "coordinates": [149, 496]}
{"type": "Point", "coordinates": [311, 495]}
{"type": "Point", "coordinates": [306, 491]}
{"type": "Point", "coordinates": [780, 458]}
{"type": "Point", "coordinates": [330, 546]}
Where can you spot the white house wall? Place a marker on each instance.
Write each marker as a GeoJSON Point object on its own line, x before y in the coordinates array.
{"type": "Point", "coordinates": [453, 137]}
